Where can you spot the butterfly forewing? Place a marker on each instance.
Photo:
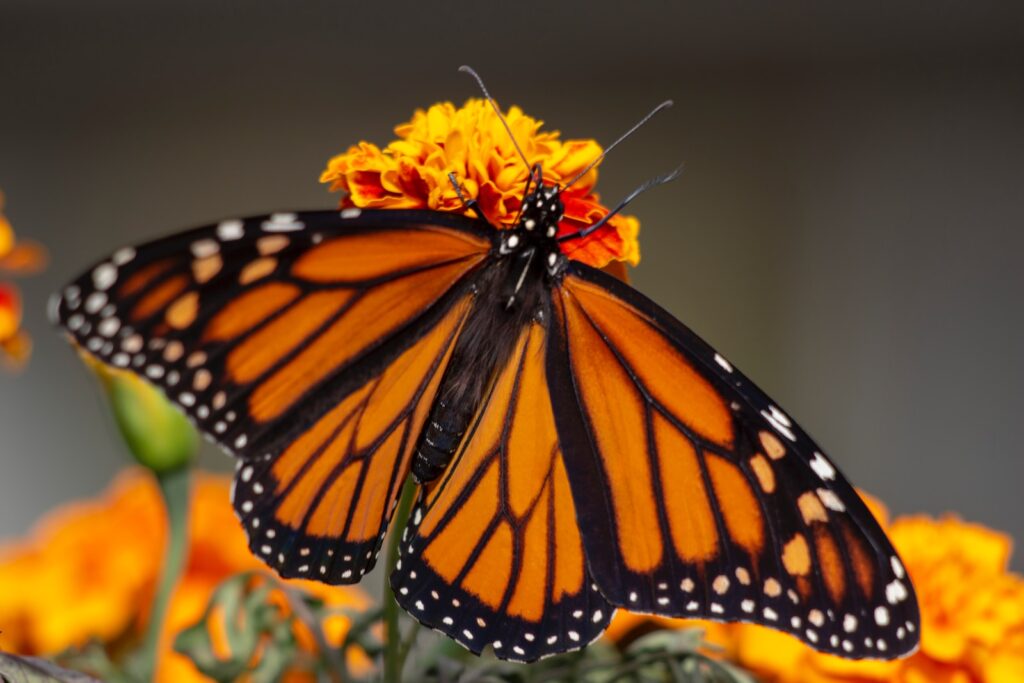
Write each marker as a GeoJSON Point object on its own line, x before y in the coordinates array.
{"type": "Point", "coordinates": [698, 497]}
{"type": "Point", "coordinates": [310, 345]}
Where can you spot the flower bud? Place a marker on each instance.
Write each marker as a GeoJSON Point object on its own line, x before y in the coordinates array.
{"type": "Point", "coordinates": [159, 436]}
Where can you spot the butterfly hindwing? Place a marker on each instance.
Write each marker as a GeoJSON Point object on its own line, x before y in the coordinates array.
{"type": "Point", "coordinates": [320, 507]}
{"type": "Point", "coordinates": [310, 345]}
{"type": "Point", "coordinates": [493, 554]}
{"type": "Point", "coordinates": [698, 497]}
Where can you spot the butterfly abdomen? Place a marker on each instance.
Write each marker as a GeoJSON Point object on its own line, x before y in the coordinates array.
{"type": "Point", "coordinates": [484, 346]}
{"type": "Point", "coordinates": [441, 436]}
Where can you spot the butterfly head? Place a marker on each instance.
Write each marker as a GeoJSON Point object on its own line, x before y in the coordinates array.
{"type": "Point", "coordinates": [542, 210]}
{"type": "Point", "coordinates": [534, 234]}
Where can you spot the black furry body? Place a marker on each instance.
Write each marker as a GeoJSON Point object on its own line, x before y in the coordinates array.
{"type": "Point", "coordinates": [509, 294]}
{"type": "Point", "coordinates": [498, 317]}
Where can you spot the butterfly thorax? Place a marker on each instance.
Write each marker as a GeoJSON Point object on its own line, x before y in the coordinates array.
{"type": "Point", "coordinates": [508, 298]}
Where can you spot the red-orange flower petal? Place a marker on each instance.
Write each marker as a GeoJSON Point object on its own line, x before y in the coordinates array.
{"type": "Point", "coordinates": [412, 172]}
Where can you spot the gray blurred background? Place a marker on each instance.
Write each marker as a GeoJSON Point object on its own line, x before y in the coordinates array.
{"type": "Point", "coordinates": [849, 229]}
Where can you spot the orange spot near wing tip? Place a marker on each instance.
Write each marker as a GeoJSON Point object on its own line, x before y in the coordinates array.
{"type": "Point", "coordinates": [763, 471]}
{"type": "Point", "coordinates": [205, 269]}
{"type": "Point", "coordinates": [257, 270]}
{"type": "Point", "coordinates": [772, 446]}
{"type": "Point", "coordinates": [182, 313]}
{"type": "Point", "coordinates": [811, 508]}
{"type": "Point", "coordinates": [159, 297]}
{"type": "Point", "coordinates": [271, 244]}
{"type": "Point", "coordinates": [796, 556]}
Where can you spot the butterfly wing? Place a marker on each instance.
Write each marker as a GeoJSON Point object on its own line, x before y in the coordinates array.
{"type": "Point", "coordinates": [310, 345]}
{"type": "Point", "coordinates": [493, 554]}
{"type": "Point", "coordinates": [698, 497]}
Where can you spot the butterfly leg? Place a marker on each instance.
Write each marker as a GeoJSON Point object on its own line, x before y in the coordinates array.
{"type": "Point", "coordinates": [466, 203]}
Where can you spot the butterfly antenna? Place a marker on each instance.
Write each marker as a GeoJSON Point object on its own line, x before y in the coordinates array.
{"type": "Point", "coordinates": [639, 124]}
{"type": "Point", "coordinates": [653, 182]}
{"type": "Point", "coordinates": [469, 70]}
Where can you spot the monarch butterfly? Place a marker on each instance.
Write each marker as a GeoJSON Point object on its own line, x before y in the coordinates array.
{"type": "Point", "coordinates": [577, 449]}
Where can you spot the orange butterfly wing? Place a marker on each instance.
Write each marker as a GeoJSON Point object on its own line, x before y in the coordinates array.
{"type": "Point", "coordinates": [310, 345]}
{"type": "Point", "coordinates": [697, 497]}
{"type": "Point", "coordinates": [493, 554]}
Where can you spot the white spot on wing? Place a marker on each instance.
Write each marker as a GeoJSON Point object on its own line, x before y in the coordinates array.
{"type": "Point", "coordinates": [95, 301]}
{"type": "Point", "coordinates": [109, 327]}
{"type": "Point", "coordinates": [123, 256]}
{"type": "Point", "coordinates": [230, 230]}
{"type": "Point", "coordinates": [205, 247]}
{"type": "Point", "coordinates": [778, 426]}
{"type": "Point", "coordinates": [831, 500]}
{"type": "Point", "coordinates": [780, 416]}
{"type": "Point", "coordinates": [822, 467]}
{"type": "Point", "coordinates": [895, 592]}
{"type": "Point", "coordinates": [283, 222]}
{"type": "Point", "coordinates": [723, 362]}
{"type": "Point", "coordinates": [104, 276]}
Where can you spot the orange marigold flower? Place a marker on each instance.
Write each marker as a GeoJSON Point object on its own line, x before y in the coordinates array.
{"type": "Point", "coordinates": [412, 173]}
{"type": "Point", "coordinates": [972, 616]}
{"type": "Point", "coordinates": [15, 258]}
{"type": "Point", "coordinates": [90, 568]}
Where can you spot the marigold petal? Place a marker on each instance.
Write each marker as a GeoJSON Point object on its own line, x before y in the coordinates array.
{"type": "Point", "coordinates": [6, 232]}
{"type": "Point", "coordinates": [471, 143]}
{"type": "Point", "coordinates": [762, 649]}
{"type": "Point", "coordinates": [10, 311]}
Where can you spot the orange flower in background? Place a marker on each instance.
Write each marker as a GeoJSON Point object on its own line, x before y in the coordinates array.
{"type": "Point", "coordinates": [15, 258]}
{"type": "Point", "coordinates": [412, 173]}
{"type": "Point", "coordinates": [89, 568]}
{"type": "Point", "coordinates": [972, 616]}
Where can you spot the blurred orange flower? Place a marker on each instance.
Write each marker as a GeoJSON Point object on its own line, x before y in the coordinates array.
{"type": "Point", "coordinates": [90, 568]}
{"type": "Point", "coordinates": [15, 258]}
{"type": "Point", "coordinates": [412, 173]}
{"type": "Point", "coordinates": [972, 616]}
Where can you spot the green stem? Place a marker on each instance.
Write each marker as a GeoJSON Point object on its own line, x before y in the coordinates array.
{"type": "Point", "coordinates": [407, 643]}
{"type": "Point", "coordinates": [393, 658]}
{"type": "Point", "coordinates": [174, 487]}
